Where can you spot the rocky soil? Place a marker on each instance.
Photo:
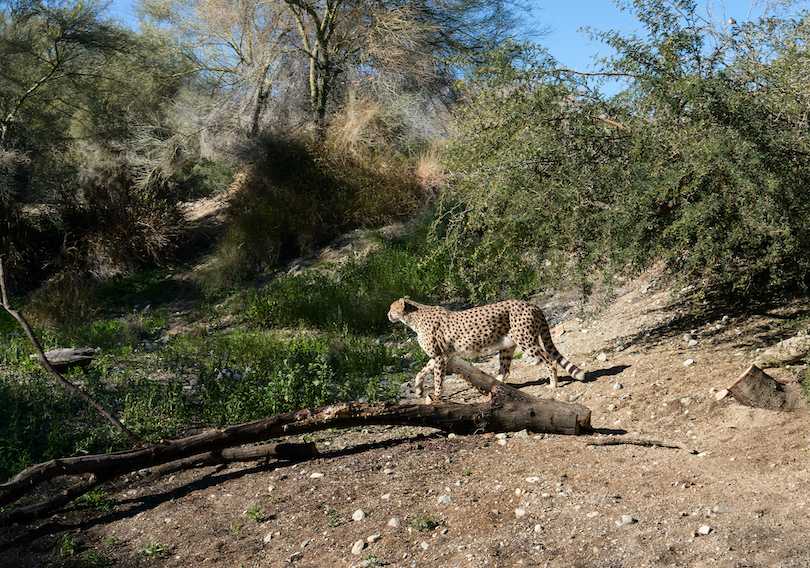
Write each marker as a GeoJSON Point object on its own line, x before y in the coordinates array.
{"type": "Point", "coordinates": [733, 492]}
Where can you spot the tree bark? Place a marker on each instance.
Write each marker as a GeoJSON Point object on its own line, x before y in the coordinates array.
{"type": "Point", "coordinates": [67, 357]}
{"type": "Point", "coordinates": [756, 388]}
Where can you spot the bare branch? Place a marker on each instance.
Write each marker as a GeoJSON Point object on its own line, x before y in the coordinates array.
{"type": "Point", "coordinates": [70, 387]}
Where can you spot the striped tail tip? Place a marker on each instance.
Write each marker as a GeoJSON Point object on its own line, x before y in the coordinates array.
{"type": "Point", "coordinates": [576, 373]}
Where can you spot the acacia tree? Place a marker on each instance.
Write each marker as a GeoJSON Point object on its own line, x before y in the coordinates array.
{"type": "Point", "coordinates": [256, 48]}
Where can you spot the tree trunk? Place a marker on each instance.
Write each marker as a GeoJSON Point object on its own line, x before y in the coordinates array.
{"type": "Point", "coordinates": [757, 388]}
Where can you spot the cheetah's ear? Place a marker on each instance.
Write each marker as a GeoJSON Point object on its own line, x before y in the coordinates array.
{"type": "Point", "coordinates": [408, 305]}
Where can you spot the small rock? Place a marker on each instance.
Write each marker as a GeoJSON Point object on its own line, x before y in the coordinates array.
{"type": "Point", "coordinates": [592, 514]}
{"type": "Point", "coordinates": [692, 342]}
{"type": "Point", "coordinates": [601, 357]}
{"type": "Point", "coordinates": [687, 337]}
{"type": "Point", "coordinates": [628, 520]}
{"type": "Point", "coordinates": [305, 543]}
{"type": "Point", "coordinates": [444, 499]}
{"type": "Point", "coordinates": [316, 475]}
{"type": "Point", "coordinates": [268, 537]}
{"type": "Point", "coordinates": [520, 513]}
{"type": "Point", "coordinates": [388, 471]}
{"type": "Point", "coordinates": [424, 545]}
{"type": "Point", "coordinates": [502, 435]}
{"type": "Point", "coordinates": [574, 397]}
{"type": "Point", "coordinates": [358, 515]}
{"type": "Point", "coordinates": [394, 522]}
{"type": "Point", "coordinates": [522, 434]}
{"type": "Point", "coordinates": [721, 394]}
{"type": "Point", "coordinates": [357, 547]}
{"type": "Point", "coordinates": [373, 538]}
{"type": "Point", "coordinates": [538, 528]}
{"type": "Point", "coordinates": [618, 386]}
{"type": "Point", "coordinates": [532, 479]}
{"type": "Point", "coordinates": [705, 529]}
{"type": "Point", "coordinates": [688, 362]}
{"type": "Point", "coordinates": [719, 509]}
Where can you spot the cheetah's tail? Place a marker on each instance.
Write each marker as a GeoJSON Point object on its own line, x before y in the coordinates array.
{"type": "Point", "coordinates": [575, 372]}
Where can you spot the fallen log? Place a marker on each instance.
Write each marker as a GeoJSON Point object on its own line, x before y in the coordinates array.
{"type": "Point", "coordinates": [508, 409]}
{"type": "Point", "coordinates": [756, 388]}
{"type": "Point", "coordinates": [67, 357]}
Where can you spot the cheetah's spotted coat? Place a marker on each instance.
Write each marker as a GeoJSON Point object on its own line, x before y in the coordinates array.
{"type": "Point", "coordinates": [501, 327]}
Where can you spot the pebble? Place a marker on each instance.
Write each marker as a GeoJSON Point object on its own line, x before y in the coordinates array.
{"type": "Point", "coordinates": [692, 342]}
{"type": "Point", "coordinates": [627, 520]}
{"type": "Point", "coordinates": [357, 547]}
{"type": "Point", "coordinates": [592, 514]}
{"type": "Point", "coordinates": [719, 509]}
{"type": "Point", "coordinates": [532, 479]}
{"type": "Point", "coordinates": [394, 522]}
{"type": "Point", "coordinates": [358, 515]}
{"type": "Point", "coordinates": [443, 499]}
{"type": "Point", "coordinates": [601, 357]}
{"type": "Point", "coordinates": [522, 434]}
{"type": "Point", "coordinates": [705, 529]}
{"type": "Point", "coordinates": [519, 513]}
{"type": "Point", "coordinates": [373, 538]}
{"type": "Point", "coordinates": [502, 436]}
{"type": "Point", "coordinates": [316, 475]}
{"type": "Point", "coordinates": [424, 545]}
{"type": "Point", "coordinates": [618, 386]}
{"type": "Point", "coordinates": [688, 362]}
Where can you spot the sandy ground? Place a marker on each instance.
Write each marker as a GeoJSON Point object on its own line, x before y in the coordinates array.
{"type": "Point", "coordinates": [741, 498]}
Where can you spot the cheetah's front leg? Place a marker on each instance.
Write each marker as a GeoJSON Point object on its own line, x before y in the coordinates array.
{"type": "Point", "coordinates": [505, 362]}
{"type": "Point", "coordinates": [419, 380]}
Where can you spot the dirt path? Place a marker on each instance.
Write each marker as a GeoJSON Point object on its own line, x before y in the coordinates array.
{"type": "Point", "coordinates": [517, 499]}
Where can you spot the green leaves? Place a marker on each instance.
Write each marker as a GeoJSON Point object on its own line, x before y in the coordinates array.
{"type": "Point", "coordinates": [700, 163]}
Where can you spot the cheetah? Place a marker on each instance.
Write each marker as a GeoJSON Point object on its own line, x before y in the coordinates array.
{"type": "Point", "coordinates": [500, 327]}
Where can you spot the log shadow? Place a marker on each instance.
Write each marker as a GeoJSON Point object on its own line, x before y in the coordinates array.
{"type": "Point", "coordinates": [132, 506]}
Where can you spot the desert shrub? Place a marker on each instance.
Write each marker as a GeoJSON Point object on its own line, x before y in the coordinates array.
{"type": "Point", "coordinates": [300, 191]}
{"type": "Point", "coordinates": [700, 163]}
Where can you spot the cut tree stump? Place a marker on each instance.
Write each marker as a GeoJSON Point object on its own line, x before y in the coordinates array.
{"type": "Point", "coordinates": [66, 357]}
{"type": "Point", "coordinates": [756, 388]}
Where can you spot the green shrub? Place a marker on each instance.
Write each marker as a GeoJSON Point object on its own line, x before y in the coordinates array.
{"type": "Point", "coordinates": [355, 296]}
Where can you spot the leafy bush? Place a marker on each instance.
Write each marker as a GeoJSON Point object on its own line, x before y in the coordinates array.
{"type": "Point", "coordinates": [701, 162]}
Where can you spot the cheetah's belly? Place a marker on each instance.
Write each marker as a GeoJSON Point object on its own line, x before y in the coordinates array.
{"type": "Point", "coordinates": [477, 348]}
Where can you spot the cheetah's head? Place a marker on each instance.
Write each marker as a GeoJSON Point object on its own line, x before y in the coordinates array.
{"type": "Point", "coordinates": [400, 309]}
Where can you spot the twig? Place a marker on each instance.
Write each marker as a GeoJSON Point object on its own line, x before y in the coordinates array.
{"type": "Point", "coordinates": [70, 387]}
{"type": "Point", "coordinates": [637, 442]}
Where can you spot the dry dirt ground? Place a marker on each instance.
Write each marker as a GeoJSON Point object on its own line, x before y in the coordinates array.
{"type": "Point", "coordinates": [515, 499]}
